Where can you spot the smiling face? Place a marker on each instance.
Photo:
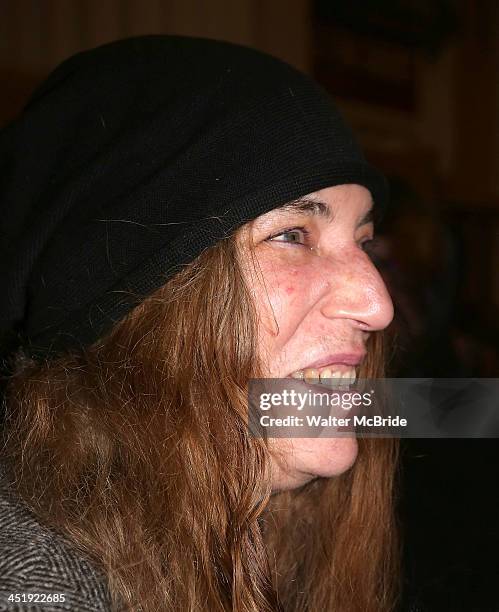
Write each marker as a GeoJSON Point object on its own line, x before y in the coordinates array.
{"type": "Point", "coordinates": [318, 297]}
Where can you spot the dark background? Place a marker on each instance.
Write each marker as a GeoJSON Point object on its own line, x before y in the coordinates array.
{"type": "Point", "coordinates": [419, 83]}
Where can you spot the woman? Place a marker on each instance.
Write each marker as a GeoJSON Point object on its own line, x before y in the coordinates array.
{"type": "Point", "coordinates": [181, 216]}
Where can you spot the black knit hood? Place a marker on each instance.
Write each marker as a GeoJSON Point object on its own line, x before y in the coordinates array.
{"type": "Point", "coordinates": [132, 158]}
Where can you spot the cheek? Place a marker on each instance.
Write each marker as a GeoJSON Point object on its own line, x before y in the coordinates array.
{"type": "Point", "coordinates": [283, 302]}
{"type": "Point", "coordinates": [288, 294]}
{"type": "Point", "coordinates": [292, 288]}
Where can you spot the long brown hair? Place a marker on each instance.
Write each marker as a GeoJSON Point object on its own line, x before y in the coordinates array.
{"type": "Point", "coordinates": [138, 453]}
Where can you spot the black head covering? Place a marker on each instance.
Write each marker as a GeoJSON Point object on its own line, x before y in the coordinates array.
{"type": "Point", "coordinates": [132, 158]}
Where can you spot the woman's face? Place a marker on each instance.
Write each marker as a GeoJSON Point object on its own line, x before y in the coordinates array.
{"type": "Point", "coordinates": [319, 297]}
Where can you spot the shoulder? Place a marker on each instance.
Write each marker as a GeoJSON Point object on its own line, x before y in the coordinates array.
{"type": "Point", "coordinates": [36, 562]}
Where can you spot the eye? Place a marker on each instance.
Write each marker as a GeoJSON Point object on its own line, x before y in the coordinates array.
{"type": "Point", "coordinates": [370, 249]}
{"type": "Point", "coordinates": [293, 235]}
{"type": "Point", "coordinates": [368, 245]}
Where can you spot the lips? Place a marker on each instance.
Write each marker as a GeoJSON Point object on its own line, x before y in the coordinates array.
{"type": "Point", "coordinates": [339, 363]}
{"type": "Point", "coordinates": [349, 359]}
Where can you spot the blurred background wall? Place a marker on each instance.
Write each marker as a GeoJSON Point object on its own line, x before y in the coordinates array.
{"type": "Point", "coordinates": [418, 81]}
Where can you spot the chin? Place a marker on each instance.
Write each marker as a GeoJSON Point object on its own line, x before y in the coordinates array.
{"type": "Point", "coordinates": [334, 456]}
{"type": "Point", "coordinates": [314, 458]}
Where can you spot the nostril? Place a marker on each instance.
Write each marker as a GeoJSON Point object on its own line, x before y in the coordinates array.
{"type": "Point", "coordinates": [362, 325]}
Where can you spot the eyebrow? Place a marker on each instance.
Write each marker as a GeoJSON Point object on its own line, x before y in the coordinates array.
{"type": "Point", "coordinates": [311, 207]}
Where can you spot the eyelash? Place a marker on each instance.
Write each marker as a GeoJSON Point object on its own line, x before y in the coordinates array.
{"type": "Point", "coordinates": [303, 230]}
{"type": "Point", "coordinates": [366, 245]}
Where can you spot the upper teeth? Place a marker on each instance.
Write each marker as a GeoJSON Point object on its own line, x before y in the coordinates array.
{"type": "Point", "coordinates": [330, 376]}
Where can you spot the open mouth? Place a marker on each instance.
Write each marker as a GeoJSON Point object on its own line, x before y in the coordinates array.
{"type": "Point", "coordinates": [334, 376]}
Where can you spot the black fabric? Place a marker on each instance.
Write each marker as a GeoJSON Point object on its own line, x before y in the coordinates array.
{"type": "Point", "coordinates": [132, 158]}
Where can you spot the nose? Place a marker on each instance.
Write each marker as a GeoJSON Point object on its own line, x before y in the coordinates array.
{"type": "Point", "coordinates": [356, 291]}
